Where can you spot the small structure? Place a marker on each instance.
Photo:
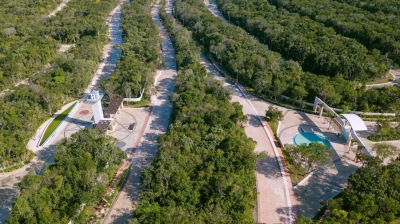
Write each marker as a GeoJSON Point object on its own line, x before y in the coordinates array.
{"type": "Point", "coordinates": [99, 121]}
{"type": "Point", "coordinates": [94, 98]}
{"type": "Point", "coordinates": [348, 123]}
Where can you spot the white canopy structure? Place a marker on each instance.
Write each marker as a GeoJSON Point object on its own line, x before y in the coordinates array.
{"type": "Point", "coordinates": [356, 123]}
{"type": "Point", "coordinates": [349, 125]}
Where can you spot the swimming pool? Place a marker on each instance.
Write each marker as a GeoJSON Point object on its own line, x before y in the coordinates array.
{"type": "Point", "coordinates": [308, 137]}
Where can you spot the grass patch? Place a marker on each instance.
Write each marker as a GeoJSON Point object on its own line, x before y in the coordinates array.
{"type": "Point", "coordinates": [297, 173]}
{"type": "Point", "coordinates": [55, 123]}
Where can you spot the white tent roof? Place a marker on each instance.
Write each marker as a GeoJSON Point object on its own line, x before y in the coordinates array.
{"type": "Point", "coordinates": [355, 121]}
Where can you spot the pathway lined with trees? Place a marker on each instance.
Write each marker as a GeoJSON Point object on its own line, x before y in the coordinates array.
{"type": "Point", "coordinates": [122, 208]}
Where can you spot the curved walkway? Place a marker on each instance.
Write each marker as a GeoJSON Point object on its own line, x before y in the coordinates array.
{"type": "Point", "coordinates": [275, 196]}
{"type": "Point", "coordinates": [122, 209]}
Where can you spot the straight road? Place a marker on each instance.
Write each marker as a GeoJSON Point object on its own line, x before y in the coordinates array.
{"type": "Point", "coordinates": [122, 209]}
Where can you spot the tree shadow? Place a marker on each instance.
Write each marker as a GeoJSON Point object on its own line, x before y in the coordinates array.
{"type": "Point", "coordinates": [7, 197]}
{"type": "Point", "coordinates": [269, 167]}
{"type": "Point", "coordinates": [253, 120]}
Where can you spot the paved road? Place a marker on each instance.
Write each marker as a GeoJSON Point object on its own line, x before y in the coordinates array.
{"type": "Point", "coordinates": [274, 200]}
{"type": "Point", "coordinates": [121, 210]}
{"type": "Point", "coordinates": [274, 204]}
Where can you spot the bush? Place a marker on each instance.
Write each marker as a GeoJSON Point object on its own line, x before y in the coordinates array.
{"type": "Point", "coordinates": [273, 114]}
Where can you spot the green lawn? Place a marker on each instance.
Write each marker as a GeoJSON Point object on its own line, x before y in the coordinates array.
{"type": "Point", "coordinates": [55, 123]}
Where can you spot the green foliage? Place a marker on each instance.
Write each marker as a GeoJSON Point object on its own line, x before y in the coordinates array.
{"type": "Point", "coordinates": [311, 156]}
{"type": "Point", "coordinates": [385, 131]}
{"type": "Point", "coordinates": [317, 48]}
{"type": "Point", "coordinates": [139, 57]}
{"type": "Point", "coordinates": [56, 122]}
{"type": "Point", "coordinates": [83, 166]}
{"type": "Point", "coordinates": [304, 220]}
{"type": "Point", "coordinates": [204, 168]}
{"type": "Point", "coordinates": [271, 75]}
{"type": "Point", "coordinates": [25, 107]}
{"type": "Point", "coordinates": [370, 197]}
{"type": "Point", "coordinates": [377, 31]}
{"type": "Point", "coordinates": [273, 114]}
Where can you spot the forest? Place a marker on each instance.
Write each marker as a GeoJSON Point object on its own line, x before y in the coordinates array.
{"type": "Point", "coordinates": [317, 48]}
{"type": "Point", "coordinates": [26, 106]}
{"type": "Point", "coordinates": [139, 60]}
{"type": "Point", "coordinates": [204, 168]}
{"type": "Point", "coordinates": [268, 74]}
{"type": "Point", "coordinates": [375, 6]}
{"type": "Point", "coordinates": [68, 189]}
{"type": "Point", "coordinates": [376, 31]}
{"type": "Point", "coordinates": [23, 49]}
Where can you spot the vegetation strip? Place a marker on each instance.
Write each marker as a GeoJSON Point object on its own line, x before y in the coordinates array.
{"type": "Point", "coordinates": [55, 123]}
{"type": "Point", "coordinates": [204, 169]}
{"type": "Point", "coordinates": [139, 60]}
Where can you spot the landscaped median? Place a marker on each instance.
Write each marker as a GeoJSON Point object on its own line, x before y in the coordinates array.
{"type": "Point", "coordinates": [55, 123]}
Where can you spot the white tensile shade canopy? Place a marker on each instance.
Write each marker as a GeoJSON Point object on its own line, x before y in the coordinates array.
{"type": "Point", "coordinates": [356, 123]}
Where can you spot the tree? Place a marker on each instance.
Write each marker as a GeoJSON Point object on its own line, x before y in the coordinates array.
{"type": "Point", "coordinates": [300, 92]}
{"type": "Point", "coordinates": [311, 156]}
{"type": "Point", "coordinates": [274, 114]}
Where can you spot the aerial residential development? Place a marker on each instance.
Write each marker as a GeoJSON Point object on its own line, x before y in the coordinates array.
{"type": "Point", "coordinates": [199, 111]}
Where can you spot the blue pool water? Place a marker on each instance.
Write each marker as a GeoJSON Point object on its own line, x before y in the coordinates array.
{"type": "Point", "coordinates": [308, 137]}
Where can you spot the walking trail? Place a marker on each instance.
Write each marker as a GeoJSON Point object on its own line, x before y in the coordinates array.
{"type": "Point", "coordinates": [59, 8]}
{"type": "Point", "coordinates": [122, 208]}
{"type": "Point", "coordinates": [275, 196]}
{"type": "Point", "coordinates": [8, 181]}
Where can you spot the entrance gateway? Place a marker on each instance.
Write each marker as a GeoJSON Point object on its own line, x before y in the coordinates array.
{"type": "Point", "coordinates": [348, 124]}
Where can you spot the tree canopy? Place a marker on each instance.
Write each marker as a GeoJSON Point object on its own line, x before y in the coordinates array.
{"type": "Point", "coordinates": [83, 166]}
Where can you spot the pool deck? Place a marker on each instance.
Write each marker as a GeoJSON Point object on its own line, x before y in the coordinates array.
{"type": "Point", "coordinates": [327, 181]}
